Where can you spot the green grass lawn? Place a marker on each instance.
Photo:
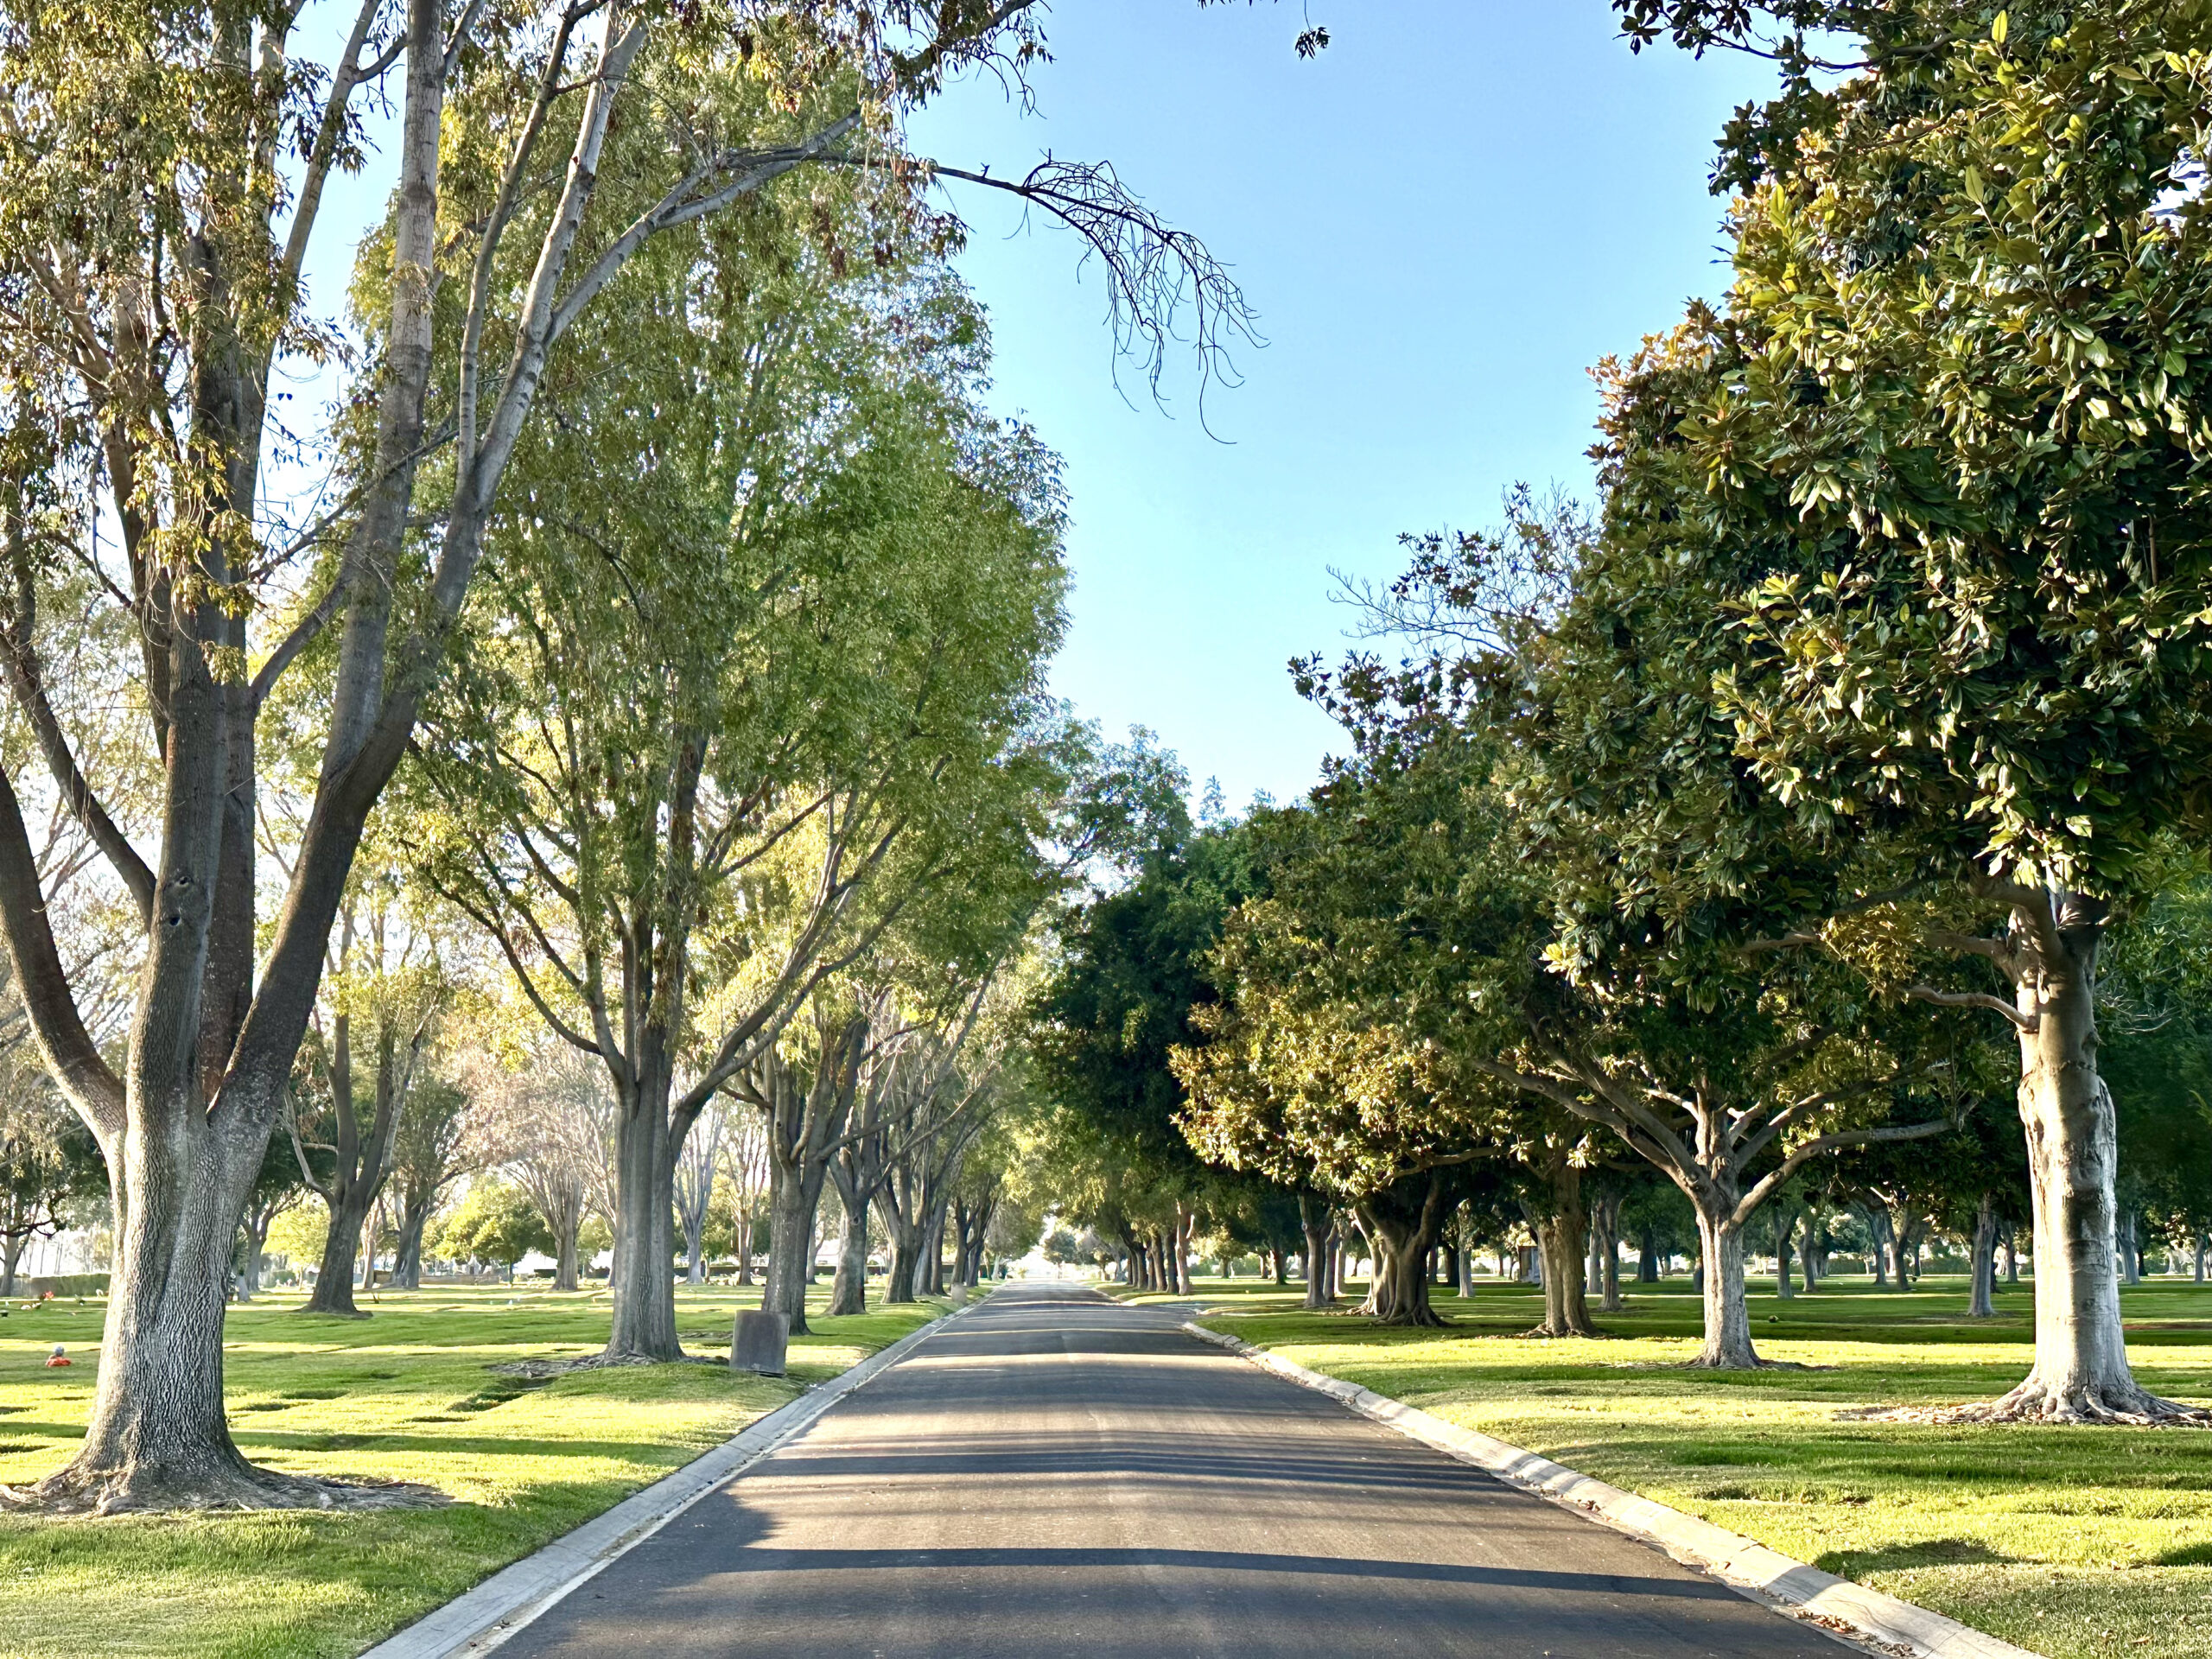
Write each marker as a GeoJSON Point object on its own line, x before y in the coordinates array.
{"type": "Point", "coordinates": [2069, 1541]}
{"type": "Point", "coordinates": [406, 1395]}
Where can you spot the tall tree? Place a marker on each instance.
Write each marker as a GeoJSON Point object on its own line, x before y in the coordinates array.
{"type": "Point", "coordinates": [161, 283]}
{"type": "Point", "coordinates": [1944, 441]}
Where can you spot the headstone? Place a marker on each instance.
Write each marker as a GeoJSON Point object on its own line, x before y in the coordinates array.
{"type": "Point", "coordinates": [758, 1343]}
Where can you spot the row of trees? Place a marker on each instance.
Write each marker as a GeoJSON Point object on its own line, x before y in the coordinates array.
{"type": "Point", "coordinates": [1765, 824]}
{"type": "Point", "coordinates": [657, 603]}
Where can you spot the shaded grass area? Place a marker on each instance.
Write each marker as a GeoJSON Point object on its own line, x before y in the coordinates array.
{"type": "Point", "coordinates": [2069, 1542]}
{"type": "Point", "coordinates": [407, 1395]}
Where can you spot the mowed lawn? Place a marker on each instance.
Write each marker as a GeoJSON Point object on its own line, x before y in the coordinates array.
{"type": "Point", "coordinates": [406, 1395]}
{"type": "Point", "coordinates": [2067, 1541]}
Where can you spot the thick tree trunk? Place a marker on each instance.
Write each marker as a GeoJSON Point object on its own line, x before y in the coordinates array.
{"type": "Point", "coordinates": [906, 1255]}
{"type": "Point", "coordinates": [1808, 1251]}
{"type": "Point", "coordinates": [849, 1291]}
{"type": "Point", "coordinates": [565, 1254]}
{"type": "Point", "coordinates": [1647, 1259]}
{"type": "Point", "coordinates": [1402, 1226]}
{"type": "Point", "coordinates": [1981, 1301]}
{"type": "Point", "coordinates": [407, 1263]}
{"type": "Point", "coordinates": [1727, 1316]}
{"type": "Point", "coordinates": [157, 1438]}
{"type": "Point", "coordinates": [1560, 1237]}
{"type": "Point", "coordinates": [11, 1256]}
{"type": "Point", "coordinates": [341, 1250]}
{"type": "Point", "coordinates": [2131, 1257]}
{"type": "Point", "coordinates": [2080, 1372]}
{"type": "Point", "coordinates": [644, 1268]}
{"type": "Point", "coordinates": [794, 1195]}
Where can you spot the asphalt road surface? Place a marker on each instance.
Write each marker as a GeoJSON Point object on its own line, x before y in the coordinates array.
{"type": "Point", "coordinates": [1055, 1473]}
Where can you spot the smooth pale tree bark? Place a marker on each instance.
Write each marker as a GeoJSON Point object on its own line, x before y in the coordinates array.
{"type": "Point", "coordinates": [1981, 1301]}
{"type": "Point", "coordinates": [1707, 1142]}
{"type": "Point", "coordinates": [1316, 1224]}
{"type": "Point", "coordinates": [1402, 1224]}
{"type": "Point", "coordinates": [1785, 1228]}
{"type": "Point", "coordinates": [2049, 955]}
{"type": "Point", "coordinates": [1562, 1228]}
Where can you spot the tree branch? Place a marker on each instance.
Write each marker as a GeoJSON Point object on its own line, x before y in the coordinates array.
{"type": "Point", "coordinates": [2027, 1022]}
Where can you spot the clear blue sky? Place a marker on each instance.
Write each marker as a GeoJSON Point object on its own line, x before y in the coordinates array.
{"type": "Point", "coordinates": [1443, 221]}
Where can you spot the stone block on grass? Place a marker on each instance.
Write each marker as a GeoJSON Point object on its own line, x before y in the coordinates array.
{"type": "Point", "coordinates": [760, 1343]}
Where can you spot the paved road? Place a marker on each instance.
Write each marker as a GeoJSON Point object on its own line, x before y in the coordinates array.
{"type": "Point", "coordinates": [1058, 1474]}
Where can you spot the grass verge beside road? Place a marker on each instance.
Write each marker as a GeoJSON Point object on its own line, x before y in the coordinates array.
{"type": "Point", "coordinates": [407, 1395]}
{"type": "Point", "coordinates": [2071, 1542]}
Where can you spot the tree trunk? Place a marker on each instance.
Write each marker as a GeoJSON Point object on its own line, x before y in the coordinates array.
{"type": "Point", "coordinates": [1727, 1318]}
{"type": "Point", "coordinates": [1808, 1251]}
{"type": "Point", "coordinates": [794, 1195]}
{"type": "Point", "coordinates": [1647, 1259]}
{"type": "Point", "coordinates": [1402, 1225]}
{"type": "Point", "coordinates": [2199, 1243]}
{"type": "Point", "coordinates": [2131, 1258]}
{"type": "Point", "coordinates": [407, 1265]}
{"type": "Point", "coordinates": [2080, 1372]}
{"type": "Point", "coordinates": [341, 1250]}
{"type": "Point", "coordinates": [11, 1256]}
{"type": "Point", "coordinates": [1561, 1236]}
{"type": "Point", "coordinates": [643, 1271]}
{"type": "Point", "coordinates": [849, 1292]}
{"type": "Point", "coordinates": [157, 1438]}
{"type": "Point", "coordinates": [564, 1257]}
{"type": "Point", "coordinates": [1981, 1302]}
{"type": "Point", "coordinates": [1466, 1257]}
{"type": "Point", "coordinates": [2011, 1256]}
{"type": "Point", "coordinates": [1785, 1227]}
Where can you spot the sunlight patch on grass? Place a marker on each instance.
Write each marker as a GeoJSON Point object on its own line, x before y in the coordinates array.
{"type": "Point", "coordinates": [407, 1394]}
{"type": "Point", "coordinates": [2070, 1542]}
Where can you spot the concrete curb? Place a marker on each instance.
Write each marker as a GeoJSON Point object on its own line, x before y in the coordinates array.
{"type": "Point", "coordinates": [1801, 1591]}
{"type": "Point", "coordinates": [480, 1619]}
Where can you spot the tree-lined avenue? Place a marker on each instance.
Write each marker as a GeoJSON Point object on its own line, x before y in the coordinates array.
{"type": "Point", "coordinates": [1057, 1473]}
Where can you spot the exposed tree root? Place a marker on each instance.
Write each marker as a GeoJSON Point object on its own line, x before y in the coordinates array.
{"type": "Point", "coordinates": [2037, 1402]}
{"type": "Point", "coordinates": [238, 1486]}
{"type": "Point", "coordinates": [1588, 1333]}
{"type": "Point", "coordinates": [1425, 1318]}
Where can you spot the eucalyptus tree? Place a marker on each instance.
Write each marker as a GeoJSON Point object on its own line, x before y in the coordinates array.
{"type": "Point", "coordinates": [772, 660]}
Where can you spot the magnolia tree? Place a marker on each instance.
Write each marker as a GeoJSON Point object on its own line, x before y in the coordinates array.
{"type": "Point", "coordinates": [1942, 451]}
